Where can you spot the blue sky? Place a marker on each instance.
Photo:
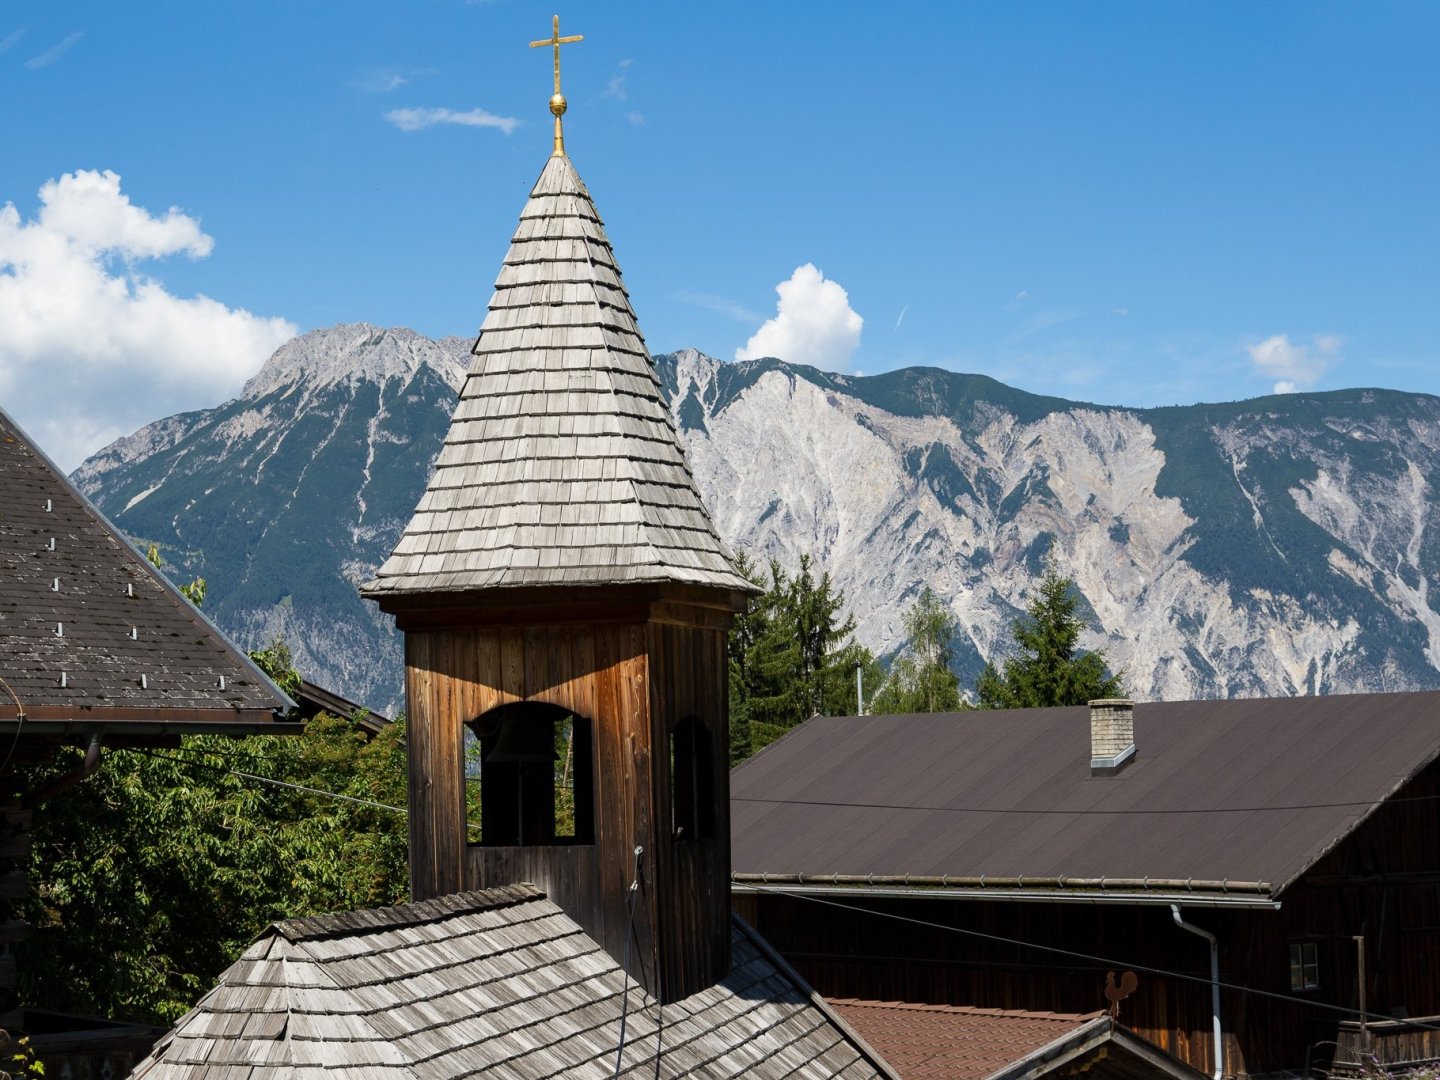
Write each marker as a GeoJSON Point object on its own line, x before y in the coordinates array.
{"type": "Point", "coordinates": [1125, 203]}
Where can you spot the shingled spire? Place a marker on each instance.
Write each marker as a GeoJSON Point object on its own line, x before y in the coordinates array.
{"type": "Point", "coordinates": [565, 601]}
{"type": "Point", "coordinates": [562, 465]}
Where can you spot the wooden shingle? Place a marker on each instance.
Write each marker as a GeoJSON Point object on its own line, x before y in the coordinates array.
{"type": "Point", "coordinates": [496, 983]}
{"type": "Point", "coordinates": [562, 465]}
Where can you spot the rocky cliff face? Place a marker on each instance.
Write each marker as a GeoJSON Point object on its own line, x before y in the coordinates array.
{"type": "Point", "coordinates": [1279, 546]}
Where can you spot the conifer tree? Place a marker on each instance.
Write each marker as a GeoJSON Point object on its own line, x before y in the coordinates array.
{"type": "Point", "coordinates": [1048, 667]}
{"type": "Point", "coordinates": [790, 656]}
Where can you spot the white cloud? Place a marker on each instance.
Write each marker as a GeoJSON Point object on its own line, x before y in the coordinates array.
{"type": "Point", "coordinates": [10, 40]}
{"type": "Point", "coordinates": [381, 81]}
{"type": "Point", "coordinates": [636, 118]}
{"type": "Point", "coordinates": [616, 87]}
{"type": "Point", "coordinates": [1295, 367]}
{"type": "Point", "coordinates": [91, 348]}
{"type": "Point", "coordinates": [54, 53]}
{"type": "Point", "coordinates": [813, 324]}
{"type": "Point", "coordinates": [417, 119]}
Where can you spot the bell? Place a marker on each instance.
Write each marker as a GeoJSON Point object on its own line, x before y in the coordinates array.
{"type": "Point", "coordinates": [523, 739]}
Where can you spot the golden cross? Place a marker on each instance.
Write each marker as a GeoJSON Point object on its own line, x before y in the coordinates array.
{"type": "Point", "coordinates": [557, 103]}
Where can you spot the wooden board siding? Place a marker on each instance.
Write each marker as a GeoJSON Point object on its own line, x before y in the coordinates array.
{"type": "Point", "coordinates": [689, 678]}
{"type": "Point", "coordinates": [633, 681]}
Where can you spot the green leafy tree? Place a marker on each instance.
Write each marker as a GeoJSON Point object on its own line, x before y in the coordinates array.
{"type": "Point", "coordinates": [921, 679]}
{"type": "Point", "coordinates": [154, 874]}
{"type": "Point", "coordinates": [194, 591]}
{"type": "Point", "coordinates": [1047, 667]}
{"type": "Point", "coordinates": [277, 661]}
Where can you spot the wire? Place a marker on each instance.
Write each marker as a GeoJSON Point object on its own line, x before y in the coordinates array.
{"type": "Point", "coordinates": [1236, 987]}
{"type": "Point", "coordinates": [19, 724]}
{"type": "Point", "coordinates": [1076, 813]}
{"type": "Point", "coordinates": [625, 968]}
{"type": "Point", "coordinates": [272, 780]}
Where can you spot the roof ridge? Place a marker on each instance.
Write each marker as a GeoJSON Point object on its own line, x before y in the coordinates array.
{"type": "Point", "coordinates": [967, 1010]}
{"type": "Point", "coordinates": [438, 909]}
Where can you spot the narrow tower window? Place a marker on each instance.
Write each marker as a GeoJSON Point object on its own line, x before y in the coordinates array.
{"type": "Point", "coordinates": [692, 781]}
{"type": "Point", "coordinates": [528, 777]}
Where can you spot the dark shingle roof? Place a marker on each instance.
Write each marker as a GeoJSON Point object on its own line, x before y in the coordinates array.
{"type": "Point", "coordinates": [500, 982]}
{"type": "Point", "coordinates": [562, 465]}
{"type": "Point", "coordinates": [1246, 791]}
{"type": "Point", "coordinates": [78, 601]}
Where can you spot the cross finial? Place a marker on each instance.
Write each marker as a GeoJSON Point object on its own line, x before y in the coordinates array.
{"type": "Point", "coordinates": [557, 103]}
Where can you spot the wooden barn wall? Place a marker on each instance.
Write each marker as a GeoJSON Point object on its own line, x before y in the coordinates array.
{"type": "Point", "coordinates": [609, 673]}
{"type": "Point", "coordinates": [1382, 882]}
{"type": "Point", "coordinates": [689, 677]}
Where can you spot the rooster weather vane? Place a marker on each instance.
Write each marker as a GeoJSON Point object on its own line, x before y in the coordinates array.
{"type": "Point", "coordinates": [1116, 994]}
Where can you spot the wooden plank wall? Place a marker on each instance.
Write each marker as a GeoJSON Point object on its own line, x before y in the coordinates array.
{"type": "Point", "coordinates": [689, 678]}
{"type": "Point", "coordinates": [629, 679]}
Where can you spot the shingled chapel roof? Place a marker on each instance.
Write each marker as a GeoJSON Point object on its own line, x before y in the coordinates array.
{"type": "Point", "coordinates": [501, 983]}
{"type": "Point", "coordinates": [562, 465]}
{"type": "Point", "coordinates": [91, 635]}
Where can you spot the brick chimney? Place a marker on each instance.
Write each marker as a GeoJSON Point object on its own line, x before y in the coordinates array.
{"type": "Point", "coordinates": [1112, 735]}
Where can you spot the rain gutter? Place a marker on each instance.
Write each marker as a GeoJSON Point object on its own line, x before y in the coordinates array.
{"type": "Point", "coordinates": [1064, 890]}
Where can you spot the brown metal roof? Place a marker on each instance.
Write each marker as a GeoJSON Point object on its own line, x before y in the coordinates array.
{"type": "Point", "coordinates": [562, 465]}
{"type": "Point", "coordinates": [501, 983]}
{"type": "Point", "coordinates": [1222, 792]}
{"type": "Point", "coordinates": [90, 633]}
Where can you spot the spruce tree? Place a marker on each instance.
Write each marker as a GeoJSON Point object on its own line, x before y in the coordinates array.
{"type": "Point", "coordinates": [1047, 666]}
{"type": "Point", "coordinates": [791, 656]}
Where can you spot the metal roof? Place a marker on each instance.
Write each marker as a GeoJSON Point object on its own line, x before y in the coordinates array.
{"type": "Point", "coordinates": [562, 465]}
{"type": "Point", "coordinates": [500, 982]}
{"type": "Point", "coordinates": [91, 633]}
{"type": "Point", "coordinates": [1231, 798]}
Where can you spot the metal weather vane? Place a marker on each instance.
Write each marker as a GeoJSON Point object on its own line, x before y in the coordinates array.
{"type": "Point", "coordinates": [557, 102]}
{"type": "Point", "coordinates": [1117, 993]}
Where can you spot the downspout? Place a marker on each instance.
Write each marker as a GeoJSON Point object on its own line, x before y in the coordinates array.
{"type": "Point", "coordinates": [67, 780]}
{"type": "Point", "coordinates": [1214, 983]}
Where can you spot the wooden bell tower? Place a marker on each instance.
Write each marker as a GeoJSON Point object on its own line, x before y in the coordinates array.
{"type": "Point", "coordinates": [565, 600]}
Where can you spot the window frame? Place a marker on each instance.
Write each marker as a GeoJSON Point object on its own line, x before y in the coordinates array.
{"type": "Point", "coordinates": [1304, 966]}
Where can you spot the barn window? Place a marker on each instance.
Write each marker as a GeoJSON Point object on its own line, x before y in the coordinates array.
{"type": "Point", "coordinates": [692, 781]}
{"type": "Point", "coordinates": [528, 777]}
{"type": "Point", "coordinates": [1304, 966]}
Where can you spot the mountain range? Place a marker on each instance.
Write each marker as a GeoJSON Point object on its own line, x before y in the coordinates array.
{"type": "Point", "coordinates": [1277, 546]}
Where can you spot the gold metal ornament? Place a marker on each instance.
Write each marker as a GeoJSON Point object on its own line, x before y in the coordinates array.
{"type": "Point", "coordinates": [557, 101]}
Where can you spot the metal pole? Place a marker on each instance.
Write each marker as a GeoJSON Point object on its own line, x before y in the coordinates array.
{"type": "Point", "coordinates": [859, 690]}
{"type": "Point", "coordinates": [1360, 974]}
